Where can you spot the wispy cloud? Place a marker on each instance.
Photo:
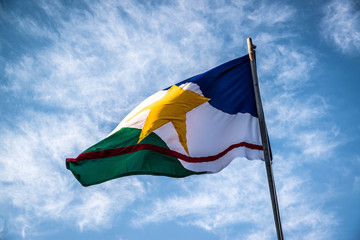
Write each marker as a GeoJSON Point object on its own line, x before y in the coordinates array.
{"type": "Point", "coordinates": [293, 116]}
{"type": "Point", "coordinates": [2, 229]}
{"type": "Point", "coordinates": [285, 67]}
{"type": "Point", "coordinates": [214, 201]}
{"type": "Point", "coordinates": [35, 180]}
{"type": "Point", "coordinates": [341, 25]}
{"type": "Point", "coordinates": [239, 195]}
{"type": "Point", "coordinates": [356, 183]}
{"type": "Point", "coordinates": [293, 119]}
{"type": "Point", "coordinates": [270, 14]}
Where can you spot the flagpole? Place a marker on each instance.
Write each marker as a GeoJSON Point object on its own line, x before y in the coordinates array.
{"type": "Point", "coordinates": [265, 141]}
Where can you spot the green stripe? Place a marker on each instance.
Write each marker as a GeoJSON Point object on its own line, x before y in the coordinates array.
{"type": "Point", "coordinates": [96, 171]}
{"type": "Point", "coordinates": [126, 137]}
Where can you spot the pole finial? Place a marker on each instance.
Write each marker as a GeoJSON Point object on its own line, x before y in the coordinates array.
{"type": "Point", "coordinates": [251, 49]}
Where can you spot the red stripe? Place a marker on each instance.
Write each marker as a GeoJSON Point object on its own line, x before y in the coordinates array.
{"type": "Point", "coordinates": [139, 147]}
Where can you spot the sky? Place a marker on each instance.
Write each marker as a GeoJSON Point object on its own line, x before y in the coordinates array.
{"type": "Point", "coordinates": [70, 71]}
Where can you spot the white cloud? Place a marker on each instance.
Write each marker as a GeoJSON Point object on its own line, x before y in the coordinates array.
{"type": "Point", "coordinates": [293, 113]}
{"type": "Point", "coordinates": [288, 66]}
{"type": "Point", "coordinates": [96, 54]}
{"type": "Point", "coordinates": [318, 143]}
{"type": "Point", "coordinates": [289, 112]}
{"type": "Point", "coordinates": [270, 14]}
{"type": "Point", "coordinates": [124, 46]}
{"type": "Point", "coordinates": [356, 183]}
{"type": "Point", "coordinates": [100, 205]}
{"type": "Point", "coordinates": [341, 25]}
{"type": "Point", "coordinates": [295, 120]}
{"type": "Point", "coordinates": [2, 229]}
{"type": "Point", "coordinates": [34, 178]}
{"type": "Point", "coordinates": [356, 179]}
{"type": "Point", "coordinates": [239, 195]}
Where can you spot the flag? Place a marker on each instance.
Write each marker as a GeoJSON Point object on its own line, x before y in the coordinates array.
{"type": "Point", "coordinates": [196, 126]}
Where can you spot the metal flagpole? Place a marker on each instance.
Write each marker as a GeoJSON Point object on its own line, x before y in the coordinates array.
{"type": "Point", "coordinates": [265, 141]}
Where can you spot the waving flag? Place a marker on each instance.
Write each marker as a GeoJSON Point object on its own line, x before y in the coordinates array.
{"type": "Point", "coordinates": [196, 126]}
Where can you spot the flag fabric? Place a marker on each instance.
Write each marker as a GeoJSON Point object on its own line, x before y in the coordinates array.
{"type": "Point", "coordinates": [193, 127]}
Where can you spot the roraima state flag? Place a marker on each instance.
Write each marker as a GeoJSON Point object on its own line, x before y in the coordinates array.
{"type": "Point", "coordinates": [193, 127]}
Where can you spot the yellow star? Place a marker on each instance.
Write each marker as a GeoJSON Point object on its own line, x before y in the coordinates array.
{"type": "Point", "coordinates": [171, 108]}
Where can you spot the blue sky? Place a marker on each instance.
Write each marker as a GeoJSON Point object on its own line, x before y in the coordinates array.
{"type": "Point", "coordinates": [71, 70]}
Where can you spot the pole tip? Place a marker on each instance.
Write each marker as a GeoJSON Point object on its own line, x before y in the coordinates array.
{"type": "Point", "coordinates": [251, 48]}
